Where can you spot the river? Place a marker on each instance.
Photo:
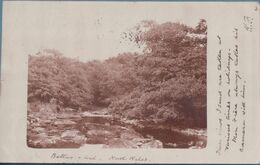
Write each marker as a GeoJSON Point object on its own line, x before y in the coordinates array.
{"type": "Point", "coordinates": [73, 130]}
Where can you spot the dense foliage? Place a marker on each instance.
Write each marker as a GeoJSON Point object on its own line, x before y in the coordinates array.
{"type": "Point", "coordinates": [167, 83]}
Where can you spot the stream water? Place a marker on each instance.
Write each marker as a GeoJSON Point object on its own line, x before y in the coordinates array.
{"type": "Point", "coordinates": [74, 130]}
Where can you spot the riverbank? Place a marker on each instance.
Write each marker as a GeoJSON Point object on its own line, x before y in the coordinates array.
{"type": "Point", "coordinates": [47, 129]}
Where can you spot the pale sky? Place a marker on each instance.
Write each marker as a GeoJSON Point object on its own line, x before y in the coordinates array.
{"type": "Point", "coordinates": [88, 30]}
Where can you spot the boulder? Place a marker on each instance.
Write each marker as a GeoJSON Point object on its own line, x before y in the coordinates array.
{"type": "Point", "coordinates": [42, 143]}
{"type": "Point", "coordinates": [73, 135]}
{"type": "Point", "coordinates": [70, 110]}
{"type": "Point", "coordinates": [42, 135]}
{"type": "Point", "coordinates": [79, 139]}
{"type": "Point", "coordinates": [70, 133]}
{"type": "Point", "coordinates": [38, 130]}
{"type": "Point", "coordinates": [64, 122]}
{"type": "Point", "coordinates": [130, 135]}
{"type": "Point", "coordinates": [121, 143]}
{"type": "Point", "coordinates": [103, 133]}
{"type": "Point", "coordinates": [153, 144]}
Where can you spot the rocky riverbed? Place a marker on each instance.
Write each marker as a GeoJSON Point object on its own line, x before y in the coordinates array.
{"type": "Point", "coordinates": [70, 129]}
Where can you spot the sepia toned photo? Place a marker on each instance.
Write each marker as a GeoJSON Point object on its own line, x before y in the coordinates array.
{"type": "Point", "coordinates": [118, 82]}
{"type": "Point", "coordinates": [135, 82]}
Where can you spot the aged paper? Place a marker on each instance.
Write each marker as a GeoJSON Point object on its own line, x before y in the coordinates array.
{"type": "Point", "coordinates": [130, 82]}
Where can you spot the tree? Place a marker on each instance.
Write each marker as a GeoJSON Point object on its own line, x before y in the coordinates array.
{"type": "Point", "coordinates": [52, 76]}
{"type": "Point", "coordinates": [172, 71]}
{"type": "Point", "coordinates": [166, 83]}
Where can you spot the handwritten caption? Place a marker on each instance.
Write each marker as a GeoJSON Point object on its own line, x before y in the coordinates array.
{"type": "Point", "coordinates": [127, 158]}
{"type": "Point", "coordinates": [231, 94]}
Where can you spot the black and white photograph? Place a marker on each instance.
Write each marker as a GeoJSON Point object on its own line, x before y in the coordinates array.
{"type": "Point", "coordinates": [112, 79]}
{"type": "Point", "coordinates": [129, 82]}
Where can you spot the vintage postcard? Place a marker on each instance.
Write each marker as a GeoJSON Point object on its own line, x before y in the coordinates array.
{"type": "Point", "coordinates": [130, 82]}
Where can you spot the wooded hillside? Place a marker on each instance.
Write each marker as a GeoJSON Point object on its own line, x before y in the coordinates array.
{"type": "Point", "coordinates": [167, 83]}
